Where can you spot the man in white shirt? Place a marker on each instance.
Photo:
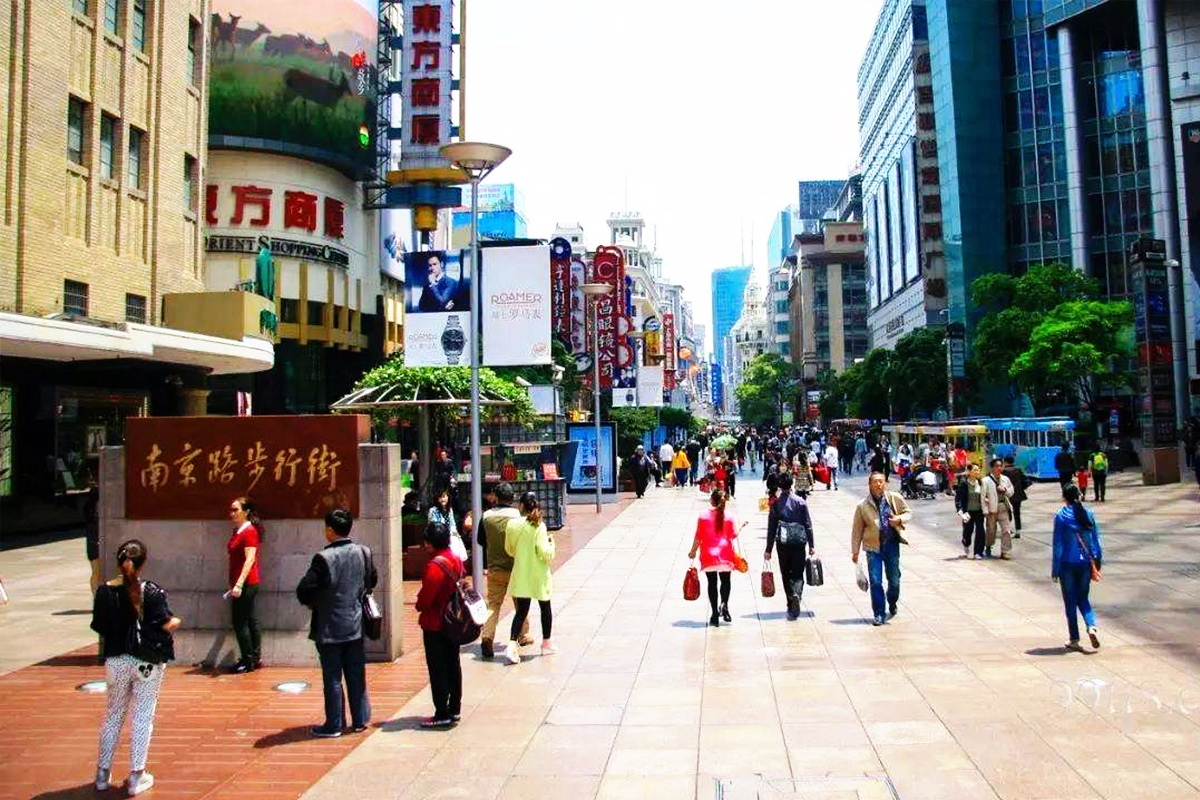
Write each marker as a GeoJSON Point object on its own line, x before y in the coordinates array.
{"type": "Point", "coordinates": [666, 454]}
{"type": "Point", "coordinates": [831, 461]}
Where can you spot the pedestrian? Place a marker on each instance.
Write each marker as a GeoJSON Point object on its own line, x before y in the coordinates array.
{"type": "Point", "coordinates": [666, 454]}
{"type": "Point", "coordinates": [499, 564]}
{"type": "Point", "coordinates": [693, 454]}
{"type": "Point", "coordinates": [442, 513]}
{"type": "Point", "coordinates": [860, 451]}
{"type": "Point", "coordinates": [831, 463]}
{"type": "Point", "coordinates": [789, 527]}
{"type": "Point", "coordinates": [91, 522]}
{"type": "Point", "coordinates": [681, 466]}
{"type": "Point", "coordinates": [442, 574]}
{"type": "Point", "coordinates": [1020, 483]}
{"type": "Point", "coordinates": [1076, 551]}
{"type": "Point", "coordinates": [715, 532]}
{"type": "Point", "coordinates": [135, 620]}
{"type": "Point", "coordinates": [337, 578]}
{"type": "Point", "coordinates": [968, 502]}
{"type": "Point", "coordinates": [878, 526]}
{"type": "Point", "coordinates": [1064, 464]}
{"type": "Point", "coordinates": [1099, 470]}
{"type": "Point", "coordinates": [731, 472]}
{"type": "Point", "coordinates": [641, 468]}
{"type": "Point", "coordinates": [244, 578]}
{"type": "Point", "coordinates": [532, 549]}
{"type": "Point", "coordinates": [997, 508]}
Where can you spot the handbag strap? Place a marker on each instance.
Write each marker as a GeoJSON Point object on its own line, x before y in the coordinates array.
{"type": "Point", "coordinates": [1087, 551]}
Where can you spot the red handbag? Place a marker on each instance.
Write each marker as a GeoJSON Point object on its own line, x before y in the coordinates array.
{"type": "Point", "coordinates": [822, 473]}
{"type": "Point", "coordinates": [768, 580]}
{"type": "Point", "coordinates": [691, 584]}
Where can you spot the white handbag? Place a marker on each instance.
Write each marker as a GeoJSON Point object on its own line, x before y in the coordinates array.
{"type": "Point", "coordinates": [864, 582]}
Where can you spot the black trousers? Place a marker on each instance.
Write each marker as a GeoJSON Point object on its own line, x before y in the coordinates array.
{"type": "Point", "coordinates": [445, 674]}
{"type": "Point", "coordinates": [344, 660]}
{"type": "Point", "coordinates": [1016, 504]}
{"type": "Point", "coordinates": [245, 624]}
{"type": "Point", "coordinates": [639, 486]}
{"type": "Point", "coordinates": [792, 558]}
{"type": "Point", "coordinates": [975, 524]}
{"type": "Point", "coordinates": [1100, 479]}
{"type": "Point", "coordinates": [523, 604]}
{"type": "Point", "coordinates": [712, 589]}
{"type": "Point", "coordinates": [730, 484]}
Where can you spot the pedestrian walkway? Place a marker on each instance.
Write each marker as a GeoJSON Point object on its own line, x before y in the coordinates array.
{"type": "Point", "coordinates": [966, 693]}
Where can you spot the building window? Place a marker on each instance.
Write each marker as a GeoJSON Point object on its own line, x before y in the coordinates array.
{"type": "Point", "coordinates": [194, 47]}
{"type": "Point", "coordinates": [931, 204]}
{"type": "Point", "coordinates": [139, 25]}
{"type": "Point", "coordinates": [134, 160]}
{"type": "Point", "coordinates": [135, 308]}
{"type": "Point", "coordinates": [75, 298]}
{"type": "Point", "coordinates": [108, 134]}
{"type": "Point", "coordinates": [189, 183]}
{"type": "Point", "coordinates": [316, 312]}
{"type": "Point", "coordinates": [76, 124]}
{"type": "Point", "coordinates": [289, 310]}
{"type": "Point", "coordinates": [112, 16]}
{"type": "Point", "coordinates": [80, 6]}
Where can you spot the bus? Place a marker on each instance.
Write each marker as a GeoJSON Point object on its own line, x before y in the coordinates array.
{"type": "Point", "coordinates": [970, 436]}
{"type": "Point", "coordinates": [1032, 442]}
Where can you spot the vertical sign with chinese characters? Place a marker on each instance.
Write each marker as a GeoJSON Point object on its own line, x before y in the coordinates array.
{"type": "Point", "coordinates": [1152, 328]}
{"type": "Point", "coordinates": [295, 467]}
{"type": "Point", "coordinates": [560, 289]}
{"type": "Point", "coordinates": [608, 266]}
{"type": "Point", "coordinates": [669, 345]}
{"type": "Point", "coordinates": [578, 311]}
{"type": "Point", "coordinates": [427, 69]}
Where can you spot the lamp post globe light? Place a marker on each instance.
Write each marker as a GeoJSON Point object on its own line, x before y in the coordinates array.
{"type": "Point", "coordinates": [476, 160]}
{"type": "Point", "coordinates": [594, 291]}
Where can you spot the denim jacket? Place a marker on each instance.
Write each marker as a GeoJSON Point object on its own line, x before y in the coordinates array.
{"type": "Point", "coordinates": [1066, 540]}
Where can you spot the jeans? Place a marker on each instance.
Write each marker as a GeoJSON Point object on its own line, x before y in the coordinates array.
{"type": "Point", "coordinates": [445, 674]}
{"type": "Point", "coordinates": [791, 570]}
{"type": "Point", "coordinates": [245, 625]}
{"type": "Point", "coordinates": [1099, 479]}
{"type": "Point", "coordinates": [975, 523]}
{"type": "Point", "coordinates": [833, 484]}
{"type": "Point", "coordinates": [349, 660]}
{"type": "Point", "coordinates": [887, 560]}
{"type": "Point", "coordinates": [692, 474]}
{"type": "Point", "coordinates": [1075, 580]}
{"type": "Point", "coordinates": [522, 617]}
{"type": "Point", "coordinates": [681, 477]}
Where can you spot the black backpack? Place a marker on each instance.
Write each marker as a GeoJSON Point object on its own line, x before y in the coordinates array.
{"type": "Point", "coordinates": [459, 623]}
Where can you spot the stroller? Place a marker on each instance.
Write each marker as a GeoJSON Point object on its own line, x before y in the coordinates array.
{"type": "Point", "coordinates": [920, 483]}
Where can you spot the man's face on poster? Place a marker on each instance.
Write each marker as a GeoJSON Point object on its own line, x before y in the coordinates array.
{"type": "Point", "coordinates": [434, 269]}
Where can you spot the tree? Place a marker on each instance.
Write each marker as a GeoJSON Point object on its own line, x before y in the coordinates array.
{"type": "Point", "coordinates": [917, 374]}
{"type": "Point", "coordinates": [768, 383]}
{"type": "Point", "coordinates": [872, 393]}
{"type": "Point", "coordinates": [832, 404]}
{"type": "Point", "coordinates": [1077, 348]}
{"type": "Point", "coordinates": [632, 424]}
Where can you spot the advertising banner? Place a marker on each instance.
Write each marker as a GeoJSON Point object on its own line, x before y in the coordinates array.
{"type": "Point", "coordinates": [624, 398]}
{"type": "Point", "coordinates": [669, 345]}
{"type": "Point", "coordinates": [392, 229]}
{"type": "Point", "coordinates": [581, 476]}
{"type": "Point", "coordinates": [516, 305]}
{"type": "Point", "coordinates": [718, 385]}
{"type": "Point", "coordinates": [300, 72]}
{"type": "Point", "coordinates": [427, 77]}
{"type": "Point", "coordinates": [299, 467]}
{"type": "Point", "coordinates": [1152, 315]}
{"type": "Point", "coordinates": [437, 319]}
{"type": "Point", "coordinates": [608, 266]}
{"type": "Point", "coordinates": [650, 385]}
{"type": "Point", "coordinates": [579, 317]}
{"type": "Point", "coordinates": [560, 289]}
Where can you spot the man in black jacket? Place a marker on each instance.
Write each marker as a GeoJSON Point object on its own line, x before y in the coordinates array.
{"type": "Point", "coordinates": [640, 467]}
{"type": "Point", "coordinates": [1020, 483]}
{"type": "Point", "coordinates": [1064, 464]}
{"type": "Point", "coordinates": [790, 527]}
{"type": "Point", "coordinates": [333, 587]}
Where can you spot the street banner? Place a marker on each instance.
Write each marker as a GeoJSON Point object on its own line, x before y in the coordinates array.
{"type": "Point", "coordinates": [624, 398]}
{"type": "Point", "coordinates": [650, 385]}
{"type": "Point", "coordinates": [437, 319]}
{"type": "Point", "coordinates": [391, 256]}
{"type": "Point", "coordinates": [669, 349]}
{"type": "Point", "coordinates": [516, 305]}
{"type": "Point", "coordinates": [608, 266]}
{"type": "Point", "coordinates": [589, 458]}
{"type": "Point", "coordinates": [578, 309]}
{"type": "Point", "coordinates": [560, 289]}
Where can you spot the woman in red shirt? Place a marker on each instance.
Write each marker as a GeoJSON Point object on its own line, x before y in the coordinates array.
{"type": "Point", "coordinates": [715, 532]}
{"type": "Point", "coordinates": [442, 574]}
{"type": "Point", "coordinates": [243, 582]}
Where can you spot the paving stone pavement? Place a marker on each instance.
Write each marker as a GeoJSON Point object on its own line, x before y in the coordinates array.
{"type": "Point", "coordinates": [966, 693]}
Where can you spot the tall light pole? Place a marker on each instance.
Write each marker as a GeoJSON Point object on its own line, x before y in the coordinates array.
{"type": "Point", "coordinates": [594, 291]}
{"type": "Point", "coordinates": [477, 160]}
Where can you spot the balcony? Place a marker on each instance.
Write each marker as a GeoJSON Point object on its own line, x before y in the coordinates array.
{"type": "Point", "coordinates": [227, 315]}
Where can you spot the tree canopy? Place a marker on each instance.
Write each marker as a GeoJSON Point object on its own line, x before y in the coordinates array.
{"type": "Point", "coordinates": [445, 382]}
{"type": "Point", "coordinates": [916, 374]}
{"type": "Point", "coordinates": [768, 383]}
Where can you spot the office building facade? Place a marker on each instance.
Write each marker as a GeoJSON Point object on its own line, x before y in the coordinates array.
{"type": "Point", "coordinates": [779, 240]}
{"type": "Point", "coordinates": [816, 198]}
{"type": "Point", "coordinates": [828, 301]}
{"type": "Point", "coordinates": [728, 287]}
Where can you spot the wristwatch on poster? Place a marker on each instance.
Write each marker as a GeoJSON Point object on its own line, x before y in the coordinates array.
{"type": "Point", "coordinates": [453, 340]}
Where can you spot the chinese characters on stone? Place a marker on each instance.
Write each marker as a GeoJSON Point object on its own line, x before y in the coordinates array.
{"type": "Point", "coordinates": [318, 468]}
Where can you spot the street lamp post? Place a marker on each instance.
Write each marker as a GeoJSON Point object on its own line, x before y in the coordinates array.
{"type": "Point", "coordinates": [594, 291]}
{"type": "Point", "coordinates": [477, 160]}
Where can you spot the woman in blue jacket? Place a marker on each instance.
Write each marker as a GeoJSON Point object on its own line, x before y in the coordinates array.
{"type": "Point", "coordinates": [1076, 546]}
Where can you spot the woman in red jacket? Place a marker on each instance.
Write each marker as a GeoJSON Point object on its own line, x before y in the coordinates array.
{"type": "Point", "coordinates": [243, 582]}
{"type": "Point", "coordinates": [442, 574]}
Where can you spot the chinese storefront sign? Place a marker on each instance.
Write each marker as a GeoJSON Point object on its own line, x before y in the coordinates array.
{"type": "Point", "coordinates": [578, 312]}
{"type": "Point", "coordinates": [608, 266]}
{"type": "Point", "coordinates": [295, 467]}
{"type": "Point", "coordinates": [1152, 328]}
{"type": "Point", "coordinates": [560, 289]}
{"type": "Point", "coordinates": [427, 81]}
{"type": "Point", "coordinates": [516, 305]}
{"type": "Point", "coordinates": [669, 345]}
{"type": "Point", "coordinates": [253, 205]}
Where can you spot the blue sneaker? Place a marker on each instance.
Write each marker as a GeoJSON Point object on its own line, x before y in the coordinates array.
{"type": "Point", "coordinates": [878, 621]}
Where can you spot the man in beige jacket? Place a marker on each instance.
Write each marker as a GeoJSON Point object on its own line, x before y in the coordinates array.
{"type": "Point", "coordinates": [878, 526]}
{"type": "Point", "coordinates": [998, 492]}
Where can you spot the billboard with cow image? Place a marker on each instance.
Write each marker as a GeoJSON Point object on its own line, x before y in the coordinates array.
{"type": "Point", "coordinates": [295, 72]}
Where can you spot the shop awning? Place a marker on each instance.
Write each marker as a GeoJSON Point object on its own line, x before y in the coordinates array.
{"type": "Point", "coordinates": [23, 336]}
{"type": "Point", "coordinates": [379, 398]}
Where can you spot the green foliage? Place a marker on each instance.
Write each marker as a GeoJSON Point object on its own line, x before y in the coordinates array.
{"type": "Point", "coordinates": [833, 402]}
{"type": "Point", "coordinates": [768, 383]}
{"type": "Point", "coordinates": [917, 374]}
{"type": "Point", "coordinates": [572, 383]}
{"type": "Point", "coordinates": [873, 391]}
{"type": "Point", "coordinates": [679, 420]}
{"type": "Point", "coordinates": [1076, 348]}
{"type": "Point", "coordinates": [632, 424]}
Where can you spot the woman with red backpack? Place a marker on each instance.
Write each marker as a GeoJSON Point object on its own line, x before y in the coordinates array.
{"type": "Point", "coordinates": [442, 574]}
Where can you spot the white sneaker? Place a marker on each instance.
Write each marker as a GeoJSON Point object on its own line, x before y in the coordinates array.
{"type": "Point", "coordinates": [966, 551]}
{"type": "Point", "coordinates": [101, 779]}
{"type": "Point", "coordinates": [142, 783]}
{"type": "Point", "coordinates": [513, 653]}
{"type": "Point", "coordinates": [548, 648]}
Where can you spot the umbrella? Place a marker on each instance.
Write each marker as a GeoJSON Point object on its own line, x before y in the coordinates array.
{"type": "Point", "coordinates": [724, 442]}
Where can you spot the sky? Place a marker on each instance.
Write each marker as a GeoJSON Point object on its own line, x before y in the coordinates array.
{"type": "Point", "coordinates": [700, 115]}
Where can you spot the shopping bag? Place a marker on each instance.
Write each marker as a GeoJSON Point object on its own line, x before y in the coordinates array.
{"type": "Point", "coordinates": [691, 584]}
{"type": "Point", "coordinates": [822, 473]}
{"type": "Point", "coordinates": [814, 573]}
{"type": "Point", "coordinates": [864, 582]}
{"type": "Point", "coordinates": [768, 580]}
{"type": "Point", "coordinates": [764, 503]}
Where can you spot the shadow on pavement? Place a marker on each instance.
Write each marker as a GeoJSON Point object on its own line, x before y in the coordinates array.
{"type": "Point", "coordinates": [86, 790]}
{"type": "Point", "coordinates": [293, 735]}
{"type": "Point", "coordinates": [70, 660]}
{"type": "Point", "coordinates": [853, 621]}
{"type": "Point", "coordinates": [1055, 651]}
{"type": "Point", "coordinates": [72, 612]}
{"type": "Point", "coordinates": [689, 623]}
{"type": "Point", "coordinates": [407, 724]}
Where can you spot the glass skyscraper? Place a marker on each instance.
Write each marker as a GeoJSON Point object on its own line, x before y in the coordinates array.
{"type": "Point", "coordinates": [728, 288]}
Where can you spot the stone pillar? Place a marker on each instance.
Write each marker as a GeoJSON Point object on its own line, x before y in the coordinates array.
{"type": "Point", "coordinates": [1073, 129]}
{"type": "Point", "coordinates": [193, 402]}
